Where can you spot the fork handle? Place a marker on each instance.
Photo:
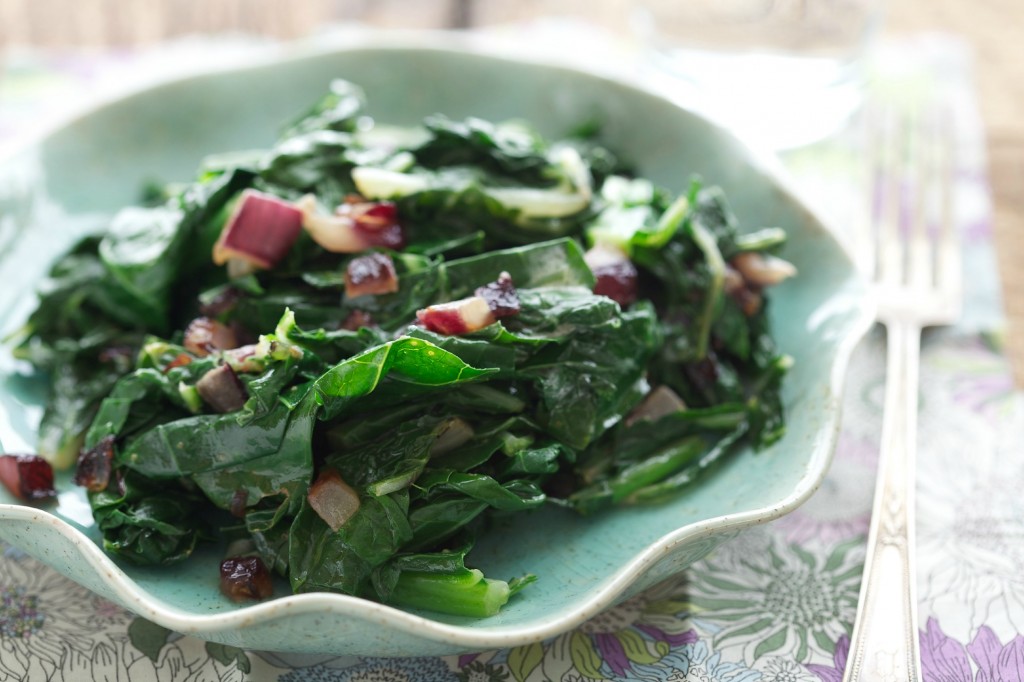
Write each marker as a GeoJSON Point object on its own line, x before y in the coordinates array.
{"type": "Point", "coordinates": [885, 635]}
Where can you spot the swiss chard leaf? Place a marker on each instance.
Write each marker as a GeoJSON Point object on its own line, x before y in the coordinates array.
{"type": "Point", "coordinates": [320, 559]}
{"type": "Point", "coordinates": [404, 367]}
{"type": "Point", "coordinates": [149, 524]}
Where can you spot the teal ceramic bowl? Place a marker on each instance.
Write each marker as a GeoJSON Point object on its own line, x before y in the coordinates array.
{"type": "Point", "coordinates": [71, 180]}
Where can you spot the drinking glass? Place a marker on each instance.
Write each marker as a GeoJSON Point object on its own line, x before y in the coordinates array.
{"type": "Point", "coordinates": [781, 73]}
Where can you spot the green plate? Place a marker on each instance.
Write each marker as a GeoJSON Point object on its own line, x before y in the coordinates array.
{"type": "Point", "coordinates": [73, 179]}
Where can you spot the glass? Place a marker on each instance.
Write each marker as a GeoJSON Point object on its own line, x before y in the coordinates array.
{"type": "Point", "coordinates": [781, 73]}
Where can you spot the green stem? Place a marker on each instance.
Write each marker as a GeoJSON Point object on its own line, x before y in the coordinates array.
{"type": "Point", "coordinates": [668, 487]}
{"type": "Point", "coordinates": [716, 267]}
{"type": "Point", "coordinates": [466, 593]}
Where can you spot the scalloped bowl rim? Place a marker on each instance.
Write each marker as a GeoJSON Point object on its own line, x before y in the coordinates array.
{"type": "Point", "coordinates": [479, 636]}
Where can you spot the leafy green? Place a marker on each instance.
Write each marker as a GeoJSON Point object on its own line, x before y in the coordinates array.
{"type": "Point", "coordinates": [434, 434]}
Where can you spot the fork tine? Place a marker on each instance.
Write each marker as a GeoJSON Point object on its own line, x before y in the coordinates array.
{"type": "Point", "coordinates": [889, 253]}
{"type": "Point", "coordinates": [923, 176]}
{"type": "Point", "coordinates": [863, 238]}
{"type": "Point", "coordinates": [949, 261]}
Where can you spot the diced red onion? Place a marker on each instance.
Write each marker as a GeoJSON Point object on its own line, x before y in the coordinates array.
{"type": "Point", "coordinates": [732, 280]}
{"type": "Point", "coordinates": [372, 274]}
{"type": "Point", "coordinates": [354, 227]}
{"type": "Point", "coordinates": [749, 300]}
{"type": "Point", "coordinates": [245, 578]}
{"type": "Point", "coordinates": [117, 355]}
{"type": "Point", "coordinates": [615, 274]}
{"type": "Point", "coordinates": [658, 403]}
{"type": "Point", "coordinates": [243, 359]}
{"type": "Point", "coordinates": [180, 360]}
{"type": "Point", "coordinates": [332, 499]}
{"type": "Point", "coordinates": [204, 336]}
{"type": "Point", "coordinates": [458, 317]}
{"type": "Point", "coordinates": [376, 222]}
{"type": "Point", "coordinates": [224, 302]}
{"type": "Point", "coordinates": [501, 296]}
{"type": "Point", "coordinates": [261, 230]}
{"type": "Point", "coordinates": [28, 477]}
{"type": "Point", "coordinates": [454, 434]}
{"type": "Point", "coordinates": [762, 269]}
{"type": "Point", "coordinates": [222, 390]}
{"type": "Point", "coordinates": [238, 503]}
{"type": "Point", "coordinates": [94, 466]}
{"type": "Point", "coordinates": [357, 319]}
{"type": "Point", "coordinates": [746, 296]}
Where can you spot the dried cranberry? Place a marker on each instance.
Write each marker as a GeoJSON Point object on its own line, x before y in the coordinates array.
{"type": "Point", "coordinates": [245, 579]}
{"type": "Point", "coordinates": [29, 477]}
{"type": "Point", "coordinates": [617, 281]}
{"type": "Point", "coordinates": [501, 296]}
{"type": "Point", "coordinates": [370, 274]}
{"type": "Point", "coordinates": [94, 466]}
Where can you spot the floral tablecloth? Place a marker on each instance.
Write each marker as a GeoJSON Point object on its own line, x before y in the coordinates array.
{"type": "Point", "coordinates": [775, 604]}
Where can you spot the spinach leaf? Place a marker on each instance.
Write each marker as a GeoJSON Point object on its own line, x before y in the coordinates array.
{"type": "Point", "coordinates": [149, 523]}
{"type": "Point", "coordinates": [320, 559]}
{"type": "Point", "coordinates": [402, 368]}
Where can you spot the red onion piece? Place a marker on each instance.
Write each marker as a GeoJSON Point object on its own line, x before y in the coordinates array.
{"type": "Point", "coordinates": [238, 503]}
{"type": "Point", "coordinates": [332, 499]}
{"type": "Point", "coordinates": [94, 466]}
{"type": "Point", "coordinates": [119, 356]}
{"type": "Point", "coordinates": [358, 319]}
{"type": "Point", "coordinates": [204, 336]}
{"type": "Point", "coordinates": [243, 359]}
{"type": "Point", "coordinates": [245, 578]}
{"type": "Point", "coordinates": [501, 296]}
{"type": "Point", "coordinates": [355, 226]}
{"type": "Point", "coordinates": [458, 317]}
{"type": "Point", "coordinates": [180, 360]}
{"type": "Point", "coordinates": [223, 302]}
{"type": "Point", "coordinates": [454, 434]}
{"type": "Point", "coordinates": [747, 296]}
{"type": "Point", "coordinates": [658, 403]}
{"type": "Point", "coordinates": [762, 269]}
{"type": "Point", "coordinates": [615, 274]}
{"type": "Point", "coordinates": [261, 230]}
{"type": "Point", "coordinates": [28, 477]}
{"type": "Point", "coordinates": [372, 274]}
{"type": "Point", "coordinates": [222, 390]}
{"type": "Point", "coordinates": [376, 222]}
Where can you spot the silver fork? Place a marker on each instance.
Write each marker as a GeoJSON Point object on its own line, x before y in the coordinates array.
{"type": "Point", "coordinates": [918, 283]}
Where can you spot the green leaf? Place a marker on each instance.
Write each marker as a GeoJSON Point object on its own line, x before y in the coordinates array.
{"type": "Point", "coordinates": [771, 643]}
{"type": "Point", "coordinates": [806, 557]}
{"type": "Point", "coordinates": [228, 655]}
{"type": "Point", "coordinates": [827, 645]}
{"type": "Point", "coordinates": [755, 627]}
{"type": "Point", "coordinates": [523, 660]}
{"type": "Point", "coordinates": [148, 637]}
{"type": "Point", "coordinates": [584, 656]}
{"type": "Point", "coordinates": [410, 363]}
{"type": "Point", "coordinates": [839, 552]}
{"type": "Point", "coordinates": [555, 263]}
{"type": "Point", "coordinates": [635, 647]}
